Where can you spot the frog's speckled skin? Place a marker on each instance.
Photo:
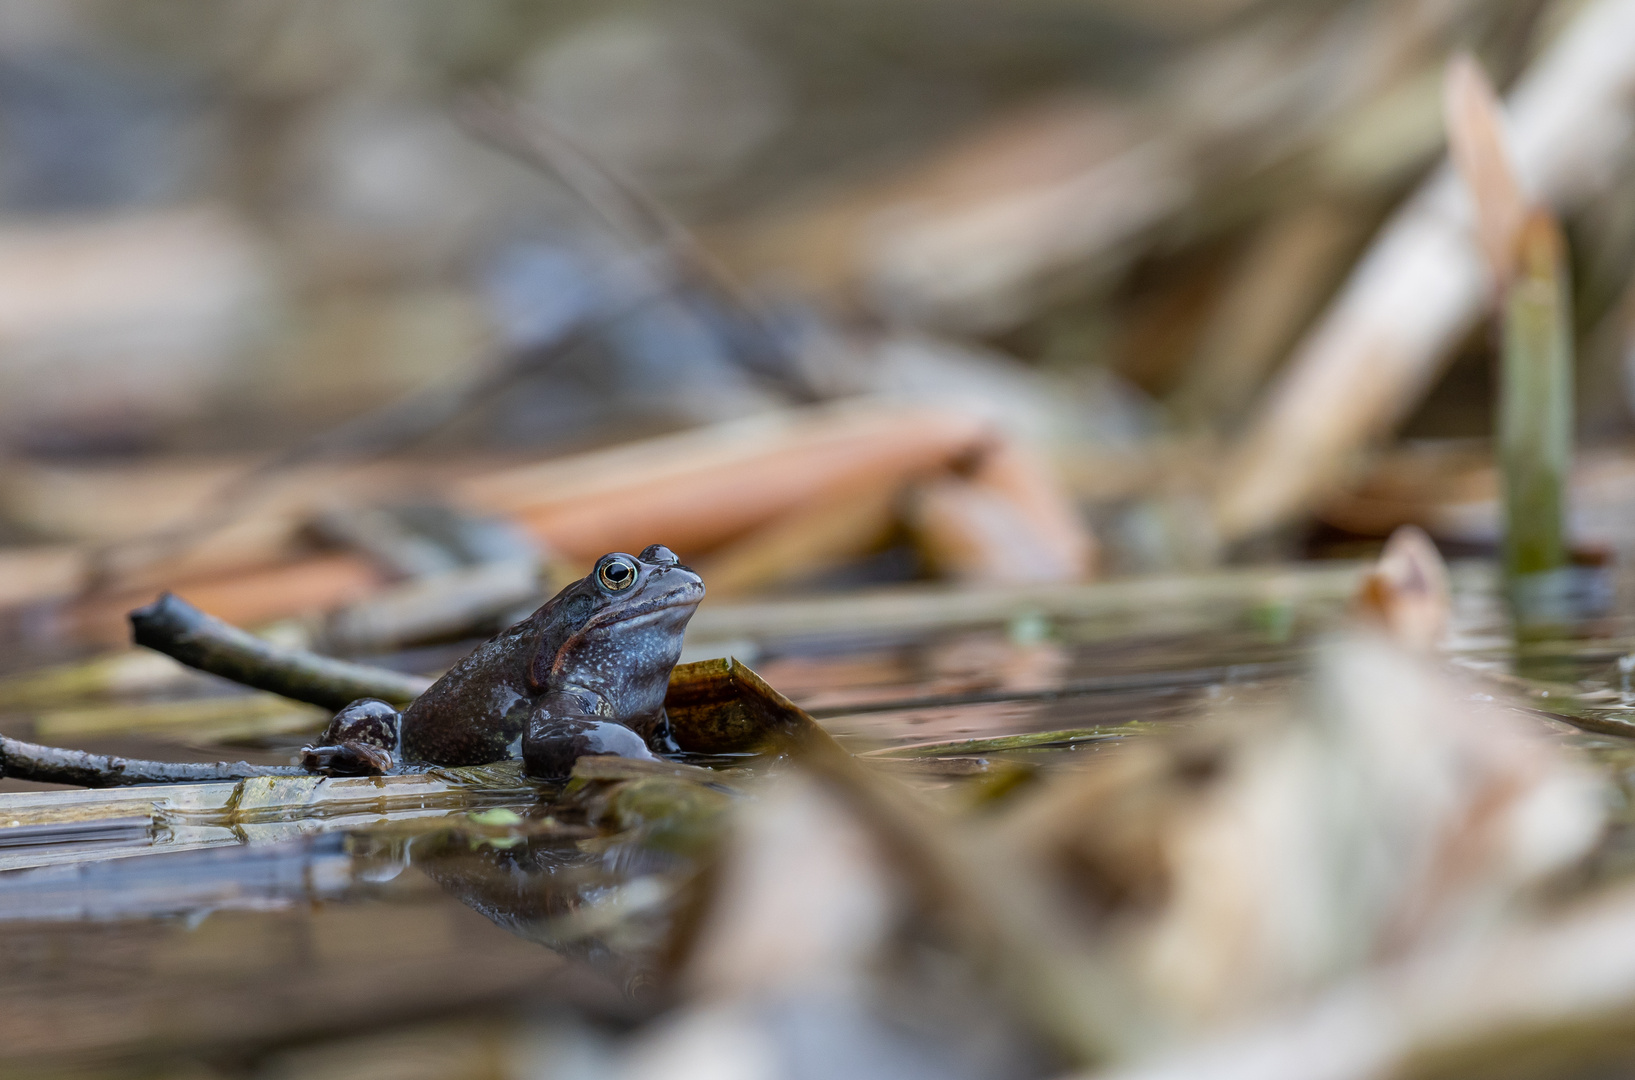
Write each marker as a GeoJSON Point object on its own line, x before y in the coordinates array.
{"type": "Point", "coordinates": [584, 674]}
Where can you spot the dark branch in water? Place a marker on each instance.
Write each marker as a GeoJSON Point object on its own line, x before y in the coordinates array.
{"type": "Point", "coordinates": [53, 765]}
{"type": "Point", "coordinates": [178, 629]}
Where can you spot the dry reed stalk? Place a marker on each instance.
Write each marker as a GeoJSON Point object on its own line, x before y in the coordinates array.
{"type": "Point", "coordinates": [41, 573]}
{"type": "Point", "coordinates": [1422, 284]}
{"type": "Point", "coordinates": [838, 525]}
{"type": "Point", "coordinates": [700, 489]}
{"type": "Point", "coordinates": [920, 608]}
{"type": "Point", "coordinates": [1526, 256]}
{"type": "Point", "coordinates": [1004, 521]}
{"type": "Point", "coordinates": [964, 236]}
{"type": "Point", "coordinates": [1480, 150]}
{"type": "Point", "coordinates": [317, 584]}
{"type": "Point", "coordinates": [1276, 286]}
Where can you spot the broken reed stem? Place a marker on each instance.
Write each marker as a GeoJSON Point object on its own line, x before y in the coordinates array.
{"type": "Point", "coordinates": [178, 629]}
{"type": "Point", "coordinates": [1535, 426]}
{"type": "Point", "coordinates": [53, 765]}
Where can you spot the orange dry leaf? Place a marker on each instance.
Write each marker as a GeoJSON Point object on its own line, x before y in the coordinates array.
{"type": "Point", "coordinates": [696, 491]}
{"type": "Point", "coordinates": [248, 598]}
{"type": "Point", "coordinates": [1407, 592]}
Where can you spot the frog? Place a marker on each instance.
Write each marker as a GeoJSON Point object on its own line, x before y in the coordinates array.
{"type": "Point", "coordinates": [584, 674]}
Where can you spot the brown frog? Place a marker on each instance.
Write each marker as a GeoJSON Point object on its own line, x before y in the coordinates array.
{"type": "Point", "coordinates": [585, 674]}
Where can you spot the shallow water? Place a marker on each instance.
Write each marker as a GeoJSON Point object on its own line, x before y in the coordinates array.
{"type": "Point", "coordinates": [234, 931]}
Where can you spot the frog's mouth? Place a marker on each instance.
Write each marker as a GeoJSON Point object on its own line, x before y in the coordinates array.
{"type": "Point", "coordinates": [685, 595]}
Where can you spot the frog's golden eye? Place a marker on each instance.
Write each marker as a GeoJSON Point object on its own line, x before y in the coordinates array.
{"type": "Point", "coordinates": [616, 575]}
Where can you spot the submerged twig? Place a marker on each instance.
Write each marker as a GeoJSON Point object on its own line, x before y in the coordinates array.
{"type": "Point", "coordinates": [1587, 721]}
{"type": "Point", "coordinates": [173, 626]}
{"type": "Point", "coordinates": [1033, 740]}
{"type": "Point", "coordinates": [54, 765]}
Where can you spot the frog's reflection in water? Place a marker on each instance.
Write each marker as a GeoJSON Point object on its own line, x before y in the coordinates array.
{"type": "Point", "coordinates": [609, 903]}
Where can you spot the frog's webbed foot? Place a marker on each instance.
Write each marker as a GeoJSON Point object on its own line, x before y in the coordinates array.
{"type": "Point", "coordinates": [362, 740]}
{"type": "Point", "coordinates": [553, 744]}
{"type": "Point", "coordinates": [346, 759]}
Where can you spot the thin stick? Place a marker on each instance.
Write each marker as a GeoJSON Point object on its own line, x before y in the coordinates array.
{"type": "Point", "coordinates": [1036, 740]}
{"type": "Point", "coordinates": [53, 765]}
{"type": "Point", "coordinates": [178, 629]}
{"type": "Point", "coordinates": [1584, 721]}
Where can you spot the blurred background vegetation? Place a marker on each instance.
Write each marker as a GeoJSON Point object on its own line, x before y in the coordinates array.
{"type": "Point", "coordinates": [230, 226]}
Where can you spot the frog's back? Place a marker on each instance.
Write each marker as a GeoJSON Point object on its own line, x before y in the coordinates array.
{"type": "Point", "coordinates": [475, 713]}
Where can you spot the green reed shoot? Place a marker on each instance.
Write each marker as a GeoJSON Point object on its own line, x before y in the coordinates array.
{"type": "Point", "coordinates": [1535, 424]}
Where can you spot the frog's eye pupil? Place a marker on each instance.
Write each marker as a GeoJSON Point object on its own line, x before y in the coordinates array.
{"type": "Point", "coordinates": [617, 574]}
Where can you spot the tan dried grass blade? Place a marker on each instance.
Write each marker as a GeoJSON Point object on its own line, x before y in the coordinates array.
{"type": "Point", "coordinates": [1479, 143]}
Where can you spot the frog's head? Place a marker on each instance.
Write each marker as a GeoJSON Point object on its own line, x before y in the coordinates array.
{"type": "Point", "coordinates": [617, 631]}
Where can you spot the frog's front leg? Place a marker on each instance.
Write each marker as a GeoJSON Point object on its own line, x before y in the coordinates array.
{"type": "Point", "coordinates": [362, 740]}
{"type": "Point", "coordinates": [563, 729]}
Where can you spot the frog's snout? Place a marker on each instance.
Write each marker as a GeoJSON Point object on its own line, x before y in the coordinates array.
{"type": "Point", "coordinates": [682, 586]}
